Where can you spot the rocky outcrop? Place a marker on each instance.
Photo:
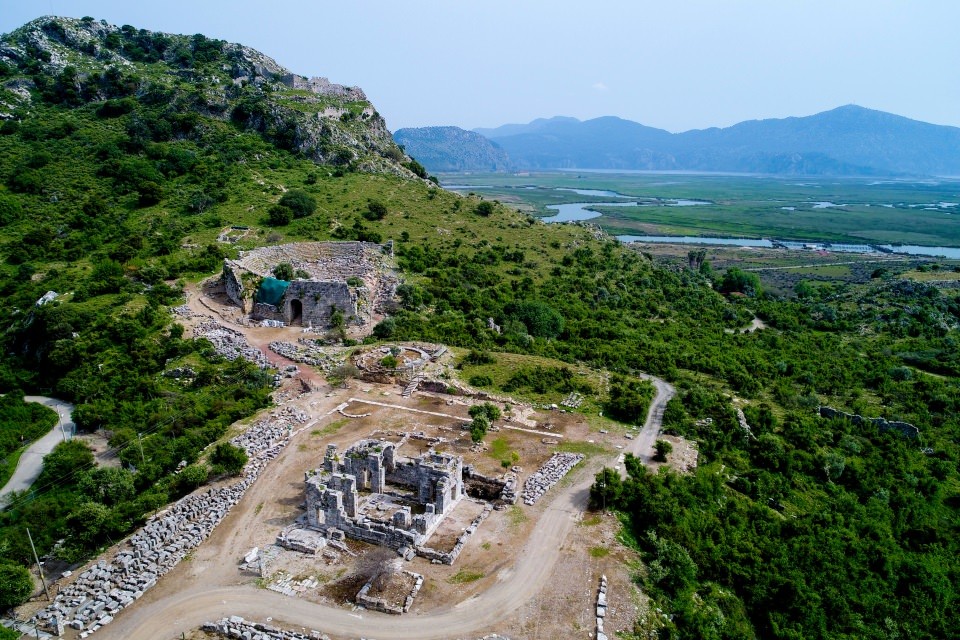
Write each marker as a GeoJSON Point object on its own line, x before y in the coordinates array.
{"type": "Point", "coordinates": [903, 428]}
{"type": "Point", "coordinates": [326, 122]}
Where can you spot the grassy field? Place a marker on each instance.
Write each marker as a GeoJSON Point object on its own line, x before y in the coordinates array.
{"type": "Point", "coordinates": [863, 211]}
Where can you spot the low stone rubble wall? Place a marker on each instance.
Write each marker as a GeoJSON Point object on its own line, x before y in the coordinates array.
{"type": "Point", "coordinates": [903, 428]}
{"type": "Point", "coordinates": [103, 590]}
{"type": "Point", "coordinates": [601, 607]}
{"type": "Point", "coordinates": [230, 343]}
{"type": "Point", "coordinates": [237, 627]}
{"type": "Point", "coordinates": [306, 351]}
{"type": "Point", "coordinates": [379, 604]}
{"type": "Point", "coordinates": [548, 475]}
{"type": "Point", "coordinates": [449, 557]}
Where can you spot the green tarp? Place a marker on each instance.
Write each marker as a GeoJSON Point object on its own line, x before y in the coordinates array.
{"type": "Point", "coordinates": [271, 291]}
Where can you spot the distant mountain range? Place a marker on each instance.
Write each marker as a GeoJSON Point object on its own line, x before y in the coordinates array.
{"type": "Point", "coordinates": [453, 149]}
{"type": "Point", "coordinates": [849, 140]}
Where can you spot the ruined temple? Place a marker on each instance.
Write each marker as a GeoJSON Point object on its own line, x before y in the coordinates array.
{"type": "Point", "coordinates": [369, 493]}
{"type": "Point", "coordinates": [352, 278]}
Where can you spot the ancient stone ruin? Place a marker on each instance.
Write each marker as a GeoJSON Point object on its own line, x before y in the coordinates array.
{"type": "Point", "coordinates": [548, 475]}
{"type": "Point", "coordinates": [353, 279]}
{"type": "Point", "coordinates": [375, 600]}
{"type": "Point", "coordinates": [369, 493]}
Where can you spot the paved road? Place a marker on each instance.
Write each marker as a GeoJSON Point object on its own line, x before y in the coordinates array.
{"type": "Point", "coordinates": [31, 462]}
{"type": "Point", "coordinates": [190, 607]}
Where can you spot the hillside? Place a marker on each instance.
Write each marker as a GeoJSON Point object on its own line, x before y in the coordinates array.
{"type": "Point", "coordinates": [135, 162]}
{"type": "Point", "coordinates": [848, 140]}
{"type": "Point", "coordinates": [76, 62]}
{"type": "Point", "coordinates": [452, 149]}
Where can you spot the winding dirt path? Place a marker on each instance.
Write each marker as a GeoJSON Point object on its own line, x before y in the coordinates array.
{"type": "Point", "coordinates": [31, 461]}
{"type": "Point", "coordinates": [180, 611]}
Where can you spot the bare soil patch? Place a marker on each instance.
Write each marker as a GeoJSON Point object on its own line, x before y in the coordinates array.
{"type": "Point", "coordinates": [567, 605]}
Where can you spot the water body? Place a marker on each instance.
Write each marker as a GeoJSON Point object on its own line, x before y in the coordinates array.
{"type": "Point", "coordinates": [907, 249]}
{"type": "Point", "coordinates": [596, 193]}
{"type": "Point", "coordinates": [687, 203]}
{"type": "Point", "coordinates": [734, 242]}
{"type": "Point", "coordinates": [916, 250]}
{"type": "Point", "coordinates": [574, 211]}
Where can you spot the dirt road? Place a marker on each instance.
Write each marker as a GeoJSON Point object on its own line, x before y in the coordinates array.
{"type": "Point", "coordinates": [31, 462]}
{"type": "Point", "coordinates": [190, 604]}
{"type": "Point", "coordinates": [642, 445]}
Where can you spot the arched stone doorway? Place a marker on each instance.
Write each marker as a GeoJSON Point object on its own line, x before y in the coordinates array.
{"type": "Point", "coordinates": [296, 312]}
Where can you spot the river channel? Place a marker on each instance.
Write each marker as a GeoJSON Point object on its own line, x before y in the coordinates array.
{"type": "Point", "coordinates": [578, 211]}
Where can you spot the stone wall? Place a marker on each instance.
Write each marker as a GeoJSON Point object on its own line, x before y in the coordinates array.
{"type": "Point", "coordinates": [237, 627]}
{"type": "Point", "coordinates": [380, 604]}
{"type": "Point", "coordinates": [319, 299]}
{"type": "Point", "coordinates": [482, 487]}
{"type": "Point", "coordinates": [233, 283]}
{"type": "Point", "coordinates": [903, 428]}
{"type": "Point", "coordinates": [449, 557]}
{"type": "Point", "coordinates": [103, 590]}
{"type": "Point", "coordinates": [548, 475]}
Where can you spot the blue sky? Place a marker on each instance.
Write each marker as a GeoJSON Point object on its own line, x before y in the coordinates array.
{"type": "Point", "coordinates": [676, 65]}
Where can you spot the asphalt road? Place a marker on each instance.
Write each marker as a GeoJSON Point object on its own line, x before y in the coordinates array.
{"type": "Point", "coordinates": [189, 608]}
{"type": "Point", "coordinates": [31, 462]}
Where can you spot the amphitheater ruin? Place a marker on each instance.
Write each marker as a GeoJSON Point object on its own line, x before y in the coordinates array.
{"type": "Point", "coordinates": [353, 279]}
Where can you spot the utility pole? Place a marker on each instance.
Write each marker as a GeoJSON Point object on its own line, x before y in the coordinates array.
{"type": "Point", "coordinates": [39, 566]}
{"type": "Point", "coordinates": [140, 442]}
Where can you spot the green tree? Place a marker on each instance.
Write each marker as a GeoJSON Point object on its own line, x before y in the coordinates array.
{"type": "Point", "coordinates": [484, 209]}
{"type": "Point", "coordinates": [87, 524]}
{"type": "Point", "coordinates": [804, 289]}
{"type": "Point", "coordinates": [478, 428]}
{"type": "Point", "coordinates": [107, 485]}
{"type": "Point", "coordinates": [629, 399]}
{"type": "Point", "coordinates": [229, 457]}
{"type": "Point", "coordinates": [278, 216]}
{"type": "Point", "coordinates": [486, 410]}
{"type": "Point", "coordinates": [16, 585]}
{"type": "Point", "coordinates": [540, 319]}
{"type": "Point", "coordinates": [65, 463]}
{"type": "Point", "coordinates": [283, 271]}
{"type": "Point", "coordinates": [738, 281]}
{"type": "Point", "coordinates": [376, 210]}
{"type": "Point", "coordinates": [10, 210]}
{"type": "Point", "coordinates": [9, 634]}
{"type": "Point", "coordinates": [385, 329]}
{"type": "Point", "coordinates": [301, 203]}
{"type": "Point", "coordinates": [192, 476]}
{"type": "Point", "coordinates": [663, 449]}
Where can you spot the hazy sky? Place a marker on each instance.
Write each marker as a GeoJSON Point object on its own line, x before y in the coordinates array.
{"type": "Point", "coordinates": [674, 64]}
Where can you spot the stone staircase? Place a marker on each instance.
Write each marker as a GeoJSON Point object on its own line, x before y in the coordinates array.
{"type": "Point", "coordinates": [411, 386]}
